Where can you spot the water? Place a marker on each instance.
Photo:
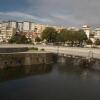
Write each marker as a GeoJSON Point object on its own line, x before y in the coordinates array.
{"type": "Point", "coordinates": [49, 82]}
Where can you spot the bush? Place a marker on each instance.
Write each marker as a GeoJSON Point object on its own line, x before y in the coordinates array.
{"type": "Point", "coordinates": [33, 48]}
{"type": "Point", "coordinates": [38, 39]}
{"type": "Point", "coordinates": [89, 42]}
{"type": "Point", "coordinates": [97, 42]}
{"type": "Point", "coordinates": [42, 49]}
{"type": "Point", "coordinates": [20, 39]}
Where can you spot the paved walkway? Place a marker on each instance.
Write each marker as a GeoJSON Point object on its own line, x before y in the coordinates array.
{"type": "Point", "coordinates": [75, 51]}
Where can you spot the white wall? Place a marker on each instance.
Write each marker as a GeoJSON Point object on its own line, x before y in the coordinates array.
{"type": "Point", "coordinates": [26, 26]}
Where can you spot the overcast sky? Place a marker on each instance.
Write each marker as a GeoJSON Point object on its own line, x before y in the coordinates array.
{"type": "Point", "coordinates": [54, 12]}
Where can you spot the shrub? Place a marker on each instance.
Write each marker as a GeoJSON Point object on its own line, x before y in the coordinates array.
{"type": "Point", "coordinates": [89, 42]}
{"type": "Point", "coordinates": [42, 49]}
{"type": "Point", "coordinates": [97, 42]}
{"type": "Point", "coordinates": [33, 48]}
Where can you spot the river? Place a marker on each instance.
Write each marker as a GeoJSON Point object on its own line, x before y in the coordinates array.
{"type": "Point", "coordinates": [49, 82]}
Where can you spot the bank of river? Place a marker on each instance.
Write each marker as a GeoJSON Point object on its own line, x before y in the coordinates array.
{"type": "Point", "coordinates": [25, 58]}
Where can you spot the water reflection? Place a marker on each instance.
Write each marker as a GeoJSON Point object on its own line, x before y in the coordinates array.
{"type": "Point", "coordinates": [80, 71]}
{"type": "Point", "coordinates": [50, 82]}
{"type": "Point", "coordinates": [24, 71]}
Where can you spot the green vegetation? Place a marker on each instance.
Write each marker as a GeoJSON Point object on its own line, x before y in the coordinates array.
{"type": "Point", "coordinates": [38, 39]}
{"type": "Point", "coordinates": [72, 37]}
{"type": "Point", "coordinates": [89, 42]}
{"type": "Point", "coordinates": [49, 34]}
{"type": "Point", "coordinates": [20, 39]}
{"type": "Point", "coordinates": [33, 48]}
{"type": "Point", "coordinates": [42, 49]}
{"type": "Point", "coordinates": [97, 42]}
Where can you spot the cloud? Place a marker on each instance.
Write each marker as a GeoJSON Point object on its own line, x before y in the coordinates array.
{"type": "Point", "coordinates": [22, 16]}
{"type": "Point", "coordinates": [74, 12]}
{"type": "Point", "coordinates": [17, 14]}
{"type": "Point", "coordinates": [58, 12]}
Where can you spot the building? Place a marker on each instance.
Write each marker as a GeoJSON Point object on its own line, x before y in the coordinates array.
{"type": "Point", "coordinates": [10, 32]}
{"type": "Point", "coordinates": [6, 33]}
{"type": "Point", "coordinates": [20, 26]}
{"type": "Point", "coordinates": [12, 24]}
{"type": "Point", "coordinates": [32, 26]}
{"type": "Point", "coordinates": [73, 28]}
{"type": "Point", "coordinates": [97, 33]}
{"type": "Point", "coordinates": [26, 26]}
{"type": "Point", "coordinates": [86, 30]}
{"type": "Point", "coordinates": [4, 24]}
{"type": "Point", "coordinates": [39, 29]}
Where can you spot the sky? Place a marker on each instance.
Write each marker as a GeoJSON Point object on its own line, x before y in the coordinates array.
{"type": "Point", "coordinates": [53, 12]}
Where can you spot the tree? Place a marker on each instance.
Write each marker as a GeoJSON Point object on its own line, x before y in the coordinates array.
{"type": "Point", "coordinates": [19, 39]}
{"type": "Point", "coordinates": [97, 42]}
{"type": "Point", "coordinates": [89, 42]}
{"type": "Point", "coordinates": [37, 39]}
{"type": "Point", "coordinates": [81, 36]}
{"type": "Point", "coordinates": [64, 35]}
{"type": "Point", "coordinates": [50, 34]}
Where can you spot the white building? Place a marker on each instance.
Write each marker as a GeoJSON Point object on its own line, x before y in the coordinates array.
{"type": "Point", "coordinates": [26, 26]}
{"type": "Point", "coordinates": [12, 24]}
{"type": "Point", "coordinates": [6, 33]}
{"type": "Point", "coordinates": [3, 34]}
{"type": "Point", "coordinates": [73, 28]}
{"type": "Point", "coordinates": [97, 33]}
{"type": "Point", "coordinates": [20, 26]}
{"type": "Point", "coordinates": [32, 26]}
{"type": "Point", "coordinates": [4, 24]}
{"type": "Point", "coordinates": [86, 30]}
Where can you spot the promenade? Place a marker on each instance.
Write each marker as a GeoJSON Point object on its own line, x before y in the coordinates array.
{"type": "Point", "coordinates": [75, 51]}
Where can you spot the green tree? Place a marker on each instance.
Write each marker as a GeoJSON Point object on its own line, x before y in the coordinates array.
{"type": "Point", "coordinates": [50, 34]}
{"type": "Point", "coordinates": [38, 39]}
{"type": "Point", "coordinates": [19, 39]}
{"type": "Point", "coordinates": [97, 42]}
{"type": "Point", "coordinates": [82, 36]}
{"type": "Point", "coordinates": [72, 36]}
{"type": "Point", "coordinates": [89, 42]}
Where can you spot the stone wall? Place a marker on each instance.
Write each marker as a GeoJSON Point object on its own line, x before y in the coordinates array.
{"type": "Point", "coordinates": [10, 50]}
{"type": "Point", "coordinates": [21, 59]}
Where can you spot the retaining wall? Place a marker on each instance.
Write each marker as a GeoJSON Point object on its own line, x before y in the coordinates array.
{"type": "Point", "coordinates": [21, 59]}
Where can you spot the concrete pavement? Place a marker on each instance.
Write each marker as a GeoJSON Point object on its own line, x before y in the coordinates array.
{"type": "Point", "coordinates": [75, 51]}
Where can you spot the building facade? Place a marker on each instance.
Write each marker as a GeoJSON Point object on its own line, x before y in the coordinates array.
{"type": "Point", "coordinates": [97, 33]}
{"type": "Point", "coordinates": [86, 30]}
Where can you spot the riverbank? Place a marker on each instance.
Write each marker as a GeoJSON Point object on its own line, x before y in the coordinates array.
{"type": "Point", "coordinates": [25, 58]}
{"type": "Point", "coordinates": [24, 55]}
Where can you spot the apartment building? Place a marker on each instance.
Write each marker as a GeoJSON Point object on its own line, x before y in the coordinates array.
{"type": "Point", "coordinates": [86, 30]}
{"type": "Point", "coordinates": [12, 24]}
{"type": "Point", "coordinates": [97, 33]}
{"type": "Point", "coordinates": [7, 29]}
{"type": "Point", "coordinates": [26, 26]}
{"type": "Point", "coordinates": [20, 26]}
